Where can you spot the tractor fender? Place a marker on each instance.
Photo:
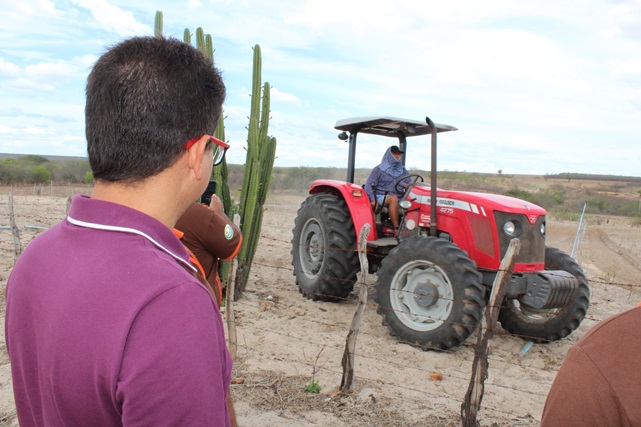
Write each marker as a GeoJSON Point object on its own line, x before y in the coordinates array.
{"type": "Point", "coordinates": [356, 199]}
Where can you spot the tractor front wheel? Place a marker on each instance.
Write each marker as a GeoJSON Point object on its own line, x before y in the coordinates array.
{"type": "Point", "coordinates": [429, 293]}
{"type": "Point", "coordinates": [545, 325]}
{"type": "Point", "coordinates": [324, 252]}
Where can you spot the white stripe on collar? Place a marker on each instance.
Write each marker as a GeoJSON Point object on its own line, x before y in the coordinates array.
{"type": "Point", "coordinates": [131, 231]}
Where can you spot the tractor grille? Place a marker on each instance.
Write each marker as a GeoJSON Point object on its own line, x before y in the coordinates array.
{"type": "Point", "coordinates": [482, 231]}
{"type": "Point", "coordinates": [532, 242]}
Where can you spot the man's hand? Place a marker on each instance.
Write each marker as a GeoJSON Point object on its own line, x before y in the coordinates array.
{"type": "Point", "coordinates": [216, 205]}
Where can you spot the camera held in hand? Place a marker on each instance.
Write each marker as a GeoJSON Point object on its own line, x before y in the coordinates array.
{"type": "Point", "coordinates": [210, 191]}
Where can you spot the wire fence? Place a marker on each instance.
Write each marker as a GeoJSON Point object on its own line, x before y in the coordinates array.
{"type": "Point", "coordinates": [280, 331]}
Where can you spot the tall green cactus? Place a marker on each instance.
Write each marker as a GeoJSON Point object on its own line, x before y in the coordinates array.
{"type": "Point", "coordinates": [261, 152]}
{"type": "Point", "coordinates": [259, 163]}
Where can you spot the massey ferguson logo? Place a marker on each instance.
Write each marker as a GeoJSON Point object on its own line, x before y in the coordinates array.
{"type": "Point", "coordinates": [532, 218]}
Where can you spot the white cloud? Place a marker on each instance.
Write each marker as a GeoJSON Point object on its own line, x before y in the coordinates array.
{"type": "Point", "coordinates": [7, 130]}
{"type": "Point", "coordinates": [86, 61]}
{"type": "Point", "coordinates": [49, 71]}
{"type": "Point", "coordinates": [30, 8]}
{"type": "Point", "coordinates": [36, 131]}
{"type": "Point", "coordinates": [112, 18]}
{"type": "Point", "coordinates": [14, 143]}
{"type": "Point", "coordinates": [626, 68]}
{"type": "Point", "coordinates": [39, 77]}
{"type": "Point", "coordinates": [24, 85]}
{"type": "Point", "coordinates": [627, 16]}
{"type": "Point", "coordinates": [279, 97]}
{"type": "Point", "coordinates": [8, 70]}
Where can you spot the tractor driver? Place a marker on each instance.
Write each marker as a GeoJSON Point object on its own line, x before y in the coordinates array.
{"type": "Point", "coordinates": [380, 186]}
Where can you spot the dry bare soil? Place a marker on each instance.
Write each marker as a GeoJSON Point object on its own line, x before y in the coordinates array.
{"type": "Point", "coordinates": [286, 341]}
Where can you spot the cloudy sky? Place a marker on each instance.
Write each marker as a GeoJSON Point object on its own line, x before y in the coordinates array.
{"type": "Point", "coordinates": [538, 87]}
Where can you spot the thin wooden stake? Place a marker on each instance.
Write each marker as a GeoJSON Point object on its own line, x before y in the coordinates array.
{"type": "Point", "coordinates": [232, 339]}
{"type": "Point", "coordinates": [350, 344]}
{"type": "Point", "coordinates": [472, 403]}
{"type": "Point", "coordinates": [68, 205]}
{"type": "Point", "coordinates": [17, 247]}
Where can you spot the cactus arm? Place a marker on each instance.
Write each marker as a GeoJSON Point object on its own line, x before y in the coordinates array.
{"type": "Point", "coordinates": [158, 24]}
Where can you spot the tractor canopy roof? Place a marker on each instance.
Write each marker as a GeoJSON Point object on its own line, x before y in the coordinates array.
{"type": "Point", "coordinates": [389, 126]}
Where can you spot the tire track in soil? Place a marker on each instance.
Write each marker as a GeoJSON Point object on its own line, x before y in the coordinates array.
{"type": "Point", "coordinates": [617, 250]}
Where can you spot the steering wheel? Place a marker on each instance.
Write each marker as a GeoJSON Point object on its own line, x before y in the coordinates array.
{"type": "Point", "coordinates": [415, 178]}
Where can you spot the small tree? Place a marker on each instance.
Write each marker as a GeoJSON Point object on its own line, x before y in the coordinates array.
{"type": "Point", "coordinates": [40, 174]}
{"type": "Point", "coordinates": [89, 177]}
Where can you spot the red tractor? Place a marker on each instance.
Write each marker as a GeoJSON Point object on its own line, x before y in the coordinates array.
{"type": "Point", "coordinates": [435, 274]}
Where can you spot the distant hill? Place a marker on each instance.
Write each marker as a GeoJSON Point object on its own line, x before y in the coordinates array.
{"type": "Point", "coordinates": [50, 158]}
{"type": "Point", "coordinates": [561, 194]}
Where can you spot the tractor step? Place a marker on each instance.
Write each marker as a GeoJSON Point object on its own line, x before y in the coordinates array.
{"type": "Point", "coordinates": [385, 241]}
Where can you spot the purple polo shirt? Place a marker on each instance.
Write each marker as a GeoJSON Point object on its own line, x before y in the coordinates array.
{"type": "Point", "coordinates": [104, 327]}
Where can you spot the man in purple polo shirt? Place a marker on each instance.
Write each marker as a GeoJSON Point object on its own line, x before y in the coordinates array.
{"type": "Point", "coordinates": [107, 322]}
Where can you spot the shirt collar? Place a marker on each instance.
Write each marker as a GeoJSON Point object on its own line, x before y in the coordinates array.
{"type": "Point", "coordinates": [102, 215]}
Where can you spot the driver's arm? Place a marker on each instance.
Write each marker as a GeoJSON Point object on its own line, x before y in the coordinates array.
{"type": "Point", "coordinates": [371, 183]}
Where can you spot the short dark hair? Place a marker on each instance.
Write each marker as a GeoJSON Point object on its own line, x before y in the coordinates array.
{"type": "Point", "coordinates": [146, 97]}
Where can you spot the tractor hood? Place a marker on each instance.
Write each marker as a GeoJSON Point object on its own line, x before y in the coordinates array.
{"type": "Point", "coordinates": [477, 202]}
{"type": "Point", "coordinates": [505, 203]}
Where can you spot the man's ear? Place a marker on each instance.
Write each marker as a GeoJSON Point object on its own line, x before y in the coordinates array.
{"type": "Point", "coordinates": [195, 155]}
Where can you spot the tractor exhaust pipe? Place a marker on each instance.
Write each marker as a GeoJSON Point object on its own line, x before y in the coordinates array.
{"type": "Point", "coordinates": [430, 123]}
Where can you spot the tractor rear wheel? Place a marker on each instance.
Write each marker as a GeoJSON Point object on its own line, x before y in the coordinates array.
{"type": "Point", "coordinates": [545, 325]}
{"type": "Point", "coordinates": [324, 252]}
{"type": "Point", "coordinates": [429, 293]}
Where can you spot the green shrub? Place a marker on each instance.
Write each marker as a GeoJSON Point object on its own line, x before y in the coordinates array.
{"type": "Point", "coordinates": [39, 174]}
{"type": "Point", "coordinates": [34, 159]}
{"type": "Point", "coordinates": [520, 194]}
{"type": "Point", "coordinates": [313, 387]}
{"type": "Point", "coordinates": [89, 177]}
{"type": "Point", "coordinates": [559, 197]}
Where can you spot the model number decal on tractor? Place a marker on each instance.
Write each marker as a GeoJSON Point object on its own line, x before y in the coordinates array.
{"type": "Point", "coordinates": [449, 203]}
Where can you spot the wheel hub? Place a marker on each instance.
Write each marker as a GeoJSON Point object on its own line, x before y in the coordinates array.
{"type": "Point", "coordinates": [425, 299]}
{"type": "Point", "coordinates": [314, 247]}
{"type": "Point", "coordinates": [426, 294]}
{"type": "Point", "coordinates": [311, 248]}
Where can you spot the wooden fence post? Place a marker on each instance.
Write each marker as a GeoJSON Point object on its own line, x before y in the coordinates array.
{"type": "Point", "coordinates": [350, 344]}
{"type": "Point", "coordinates": [14, 231]}
{"type": "Point", "coordinates": [232, 339]}
{"type": "Point", "coordinates": [472, 403]}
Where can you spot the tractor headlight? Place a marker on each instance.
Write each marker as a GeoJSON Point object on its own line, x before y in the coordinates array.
{"type": "Point", "coordinates": [510, 228]}
{"type": "Point", "coordinates": [405, 204]}
{"type": "Point", "coordinates": [542, 229]}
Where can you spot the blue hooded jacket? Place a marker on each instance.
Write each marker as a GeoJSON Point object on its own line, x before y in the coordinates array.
{"type": "Point", "coordinates": [384, 176]}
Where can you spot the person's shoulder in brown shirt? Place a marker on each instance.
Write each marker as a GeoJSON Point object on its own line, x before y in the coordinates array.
{"type": "Point", "coordinates": [599, 383]}
{"type": "Point", "coordinates": [210, 235]}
